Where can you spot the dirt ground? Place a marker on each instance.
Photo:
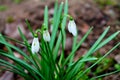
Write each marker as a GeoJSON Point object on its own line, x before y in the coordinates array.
{"type": "Point", "coordinates": [86, 13]}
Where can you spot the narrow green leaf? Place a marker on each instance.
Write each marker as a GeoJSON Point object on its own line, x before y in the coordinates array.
{"type": "Point", "coordinates": [65, 17]}
{"type": "Point", "coordinates": [23, 37]}
{"type": "Point", "coordinates": [100, 59]}
{"type": "Point", "coordinates": [57, 46]}
{"type": "Point", "coordinates": [79, 44]}
{"type": "Point", "coordinates": [85, 60]}
{"type": "Point", "coordinates": [106, 41]}
{"type": "Point", "coordinates": [9, 49]}
{"type": "Point", "coordinates": [8, 68]}
{"type": "Point", "coordinates": [73, 47]}
{"type": "Point", "coordinates": [62, 28]}
{"type": "Point", "coordinates": [23, 64]}
{"type": "Point", "coordinates": [29, 27]}
{"type": "Point", "coordinates": [55, 11]}
{"type": "Point", "coordinates": [18, 50]}
{"type": "Point", "coordinates": [46, 16]}
{"type": "Point", "coordinates": [28, 47]}
{"type": "Point", "coordinates": [96, 43]}
{"type": "Point", "coordinates": [77, 67]}
{"type": "Point", "coordinates": [56, 25]}
{"type": "Point", "coordinates": [14, 40]}
{"type": "Point", "coordinates": [91, 50]}
{"type": "Point", "coordinates": [9, 65]}
{"type": "Point", "coordinates": [63, 47]}
{"type": "Point", "coordinates": [106, 74]}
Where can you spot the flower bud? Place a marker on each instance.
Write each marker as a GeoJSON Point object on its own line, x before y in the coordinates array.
{"type": "Point", "coordinates": [72, 27]}
{"type": "Point", "coordinates": [46, 35]}
{"type": "Point", "coordinates": [35, 45]}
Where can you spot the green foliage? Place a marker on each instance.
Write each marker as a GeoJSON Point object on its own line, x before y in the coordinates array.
{"type": "Point", "coordinates": [17, 1]}
{"type": "Point", "coordinates": [46, 64]}
{"type": "Point", "coordinates": [117, 66]}
{"type": "Point", "coordinates": [103, 3]}
{"type": "Point", "coordinates": [3, 8]}
{"type": "Point", "coordinates": [104, 65]}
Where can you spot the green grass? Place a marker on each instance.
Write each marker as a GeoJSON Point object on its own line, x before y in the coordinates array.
{"type": "Point", "coordinates": [3, 8]}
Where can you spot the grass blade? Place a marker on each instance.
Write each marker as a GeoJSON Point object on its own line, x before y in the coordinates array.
{"type": "Point", "coordinates": [106, 41]}
{"type": "Point", "coordinates": [79, 44]}
{"type": "Point", "coordinates": [46, 16]}
{"type": "Point", "coordinates": [100, 59]}
{"type": "Point", "coordinates": [17, 49]}
{"type": "Point", "coordinates": [96, 43]}
{"type": "Point", "coordinates": [9, 65]}
{"type": "Point", "coordinates": [22, 63]}
{"type": "Point", "coordinates": [9, 49]}
{"type": "Point", "coordinates": [55, 52]}
{"type": "Point", "coordinates": [56, 25]}
{"type": "Point", "coordinates": [29, 27]}
{"type": "Point", "coordinates": [106, 74]}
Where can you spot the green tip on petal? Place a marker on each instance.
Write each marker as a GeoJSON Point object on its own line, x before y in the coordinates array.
{"type": "Point", "coordinates": [35, 35]}
{"type": "Point", "coordinates": [71, 18]}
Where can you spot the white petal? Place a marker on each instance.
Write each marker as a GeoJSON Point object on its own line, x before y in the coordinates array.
{"type": "Point", "coordinates": [74, 30]}
{"type": "Point", "coordinates": [46, 35]}
{"type": "Point", "coordinates": [69, 26]}
{"type": "Point", "coordinates": [72, 27]}
{"type": "Point", "coordinates": [35, 46]}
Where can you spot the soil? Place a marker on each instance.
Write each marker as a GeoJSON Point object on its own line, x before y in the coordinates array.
{"type": "Point", "coordinates": [86, 13]}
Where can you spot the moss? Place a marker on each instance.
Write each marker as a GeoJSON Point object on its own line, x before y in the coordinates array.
{"type": "Point", "coordinates": [10, 19]}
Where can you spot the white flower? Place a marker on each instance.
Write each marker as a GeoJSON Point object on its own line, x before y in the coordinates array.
{"type": "Point", "coordinates": [72, 27]}
{"type": "Point", "coordinates": [35, 45]}
{"type": "Point", "coordinates": [46, 35]}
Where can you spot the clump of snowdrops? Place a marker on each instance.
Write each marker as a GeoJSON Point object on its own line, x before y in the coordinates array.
{"type": "Point", "coordinates": [43, 62]}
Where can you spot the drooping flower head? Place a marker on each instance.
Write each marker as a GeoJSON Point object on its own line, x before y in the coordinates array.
{"type": "Point", "coordinates": [46, 36]}
{"type": "Point", "coordinates": [35, 45]}
{"type": "Point", "coordinates": [72, 27]}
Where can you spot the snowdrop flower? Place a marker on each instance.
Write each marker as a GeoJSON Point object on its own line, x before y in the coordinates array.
{"type": "Point", "coordinates": [72, 27]}
{"type": "Point", "coordinates": [46, 35]}
{"type": "Point", "coordinates": [35, 45]}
